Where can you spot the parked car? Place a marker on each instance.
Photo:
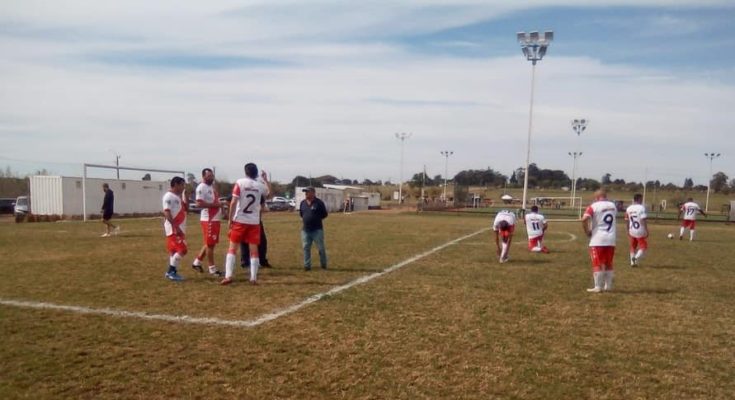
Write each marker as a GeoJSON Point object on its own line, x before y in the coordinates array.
{"type": "Point", "coordinates": [22, 206]}
{"type": "Point", "coordinates": [279, 205]}
{"type": "Point", "coordinates": [7, 205]}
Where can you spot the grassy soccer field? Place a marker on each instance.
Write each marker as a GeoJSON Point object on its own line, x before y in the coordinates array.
{"type": "Point", "coordinates": [450, 324]}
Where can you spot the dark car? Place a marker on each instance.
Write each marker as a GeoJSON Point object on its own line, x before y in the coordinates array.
{"type": "Point", "coordinates": [7, 205]}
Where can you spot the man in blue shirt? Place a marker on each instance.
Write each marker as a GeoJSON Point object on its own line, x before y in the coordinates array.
{"type": "Point", "coordinates": [312, 211]}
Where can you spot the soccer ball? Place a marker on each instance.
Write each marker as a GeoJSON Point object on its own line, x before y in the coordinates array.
{"type": "Point", "coordinates": [670, 235]}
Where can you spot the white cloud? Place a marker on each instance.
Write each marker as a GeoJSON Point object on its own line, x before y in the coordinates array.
{"type": "Point", "coordinates": [335, 104]}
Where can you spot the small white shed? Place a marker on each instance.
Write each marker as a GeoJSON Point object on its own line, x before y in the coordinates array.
{"type": "Point", "coordinates": [62, 195]}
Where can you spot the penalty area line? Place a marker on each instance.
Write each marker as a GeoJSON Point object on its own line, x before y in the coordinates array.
{"type": "Point", "coordinates": [234, 323]}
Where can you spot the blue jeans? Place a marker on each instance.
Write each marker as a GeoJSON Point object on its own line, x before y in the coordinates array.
{"type": "Point", "coordinates": [313, 236]}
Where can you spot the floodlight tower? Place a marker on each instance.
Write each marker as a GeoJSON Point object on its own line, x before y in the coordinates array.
{"type": "Point", "coordinates": [534, 48]}
{"type": "Point", "coordinates": [578, 126]}
{"type": "Point", "coordinates": [446, 154]}
{"type": "Point", "coordinates": [402, 136]}
{"type": "Point", "coordinates": [711, 157]}
{"type": "Point", "coordinates": [575, 155]}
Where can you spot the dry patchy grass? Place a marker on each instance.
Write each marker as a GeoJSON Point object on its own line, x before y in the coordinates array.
{"type": "Point", "coordinates": [454, 324]}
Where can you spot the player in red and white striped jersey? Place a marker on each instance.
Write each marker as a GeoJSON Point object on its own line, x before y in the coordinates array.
{"type": "Point", "coordinates": [174, 225]}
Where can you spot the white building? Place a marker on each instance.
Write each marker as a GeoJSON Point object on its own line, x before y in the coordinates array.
{"type": "Point", "coordinates": [62, 195]}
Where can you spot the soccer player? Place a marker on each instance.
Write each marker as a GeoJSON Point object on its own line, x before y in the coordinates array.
{"type": "Point", "coordinates": [504, 226]}
{"type": "Point", "coordinates": [207, 199]}
{"type": "Point", "coordinates": [245, 220]}
{"type": "Point", "coordinates": [636, 216]}
{"type": "Point", "coordinates": [598, 223]}
{"type": "Point", "coordinates": [108, 205]}
{"type": "Point", "coordinates": [536, 227]}
{"type": "Point", "coordinates": [174, 212]}
{"type": "Point", "coordinates": [690, 210]}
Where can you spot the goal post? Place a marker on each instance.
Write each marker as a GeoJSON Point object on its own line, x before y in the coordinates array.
{"type": "Point", "coordinates": [118, 168]}
{"type": "Point", "coordinates": [565, 208]}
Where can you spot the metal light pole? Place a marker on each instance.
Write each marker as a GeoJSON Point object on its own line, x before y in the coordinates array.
{"type": "Point", "coordinates": [534, 48]}
{"type": "Point", "coordinates": [575, 155]}
{"type": "Point", "coordinates": [117, 162]}
{"type": "Point", "coordinates": [446, 154]}
{"type": "Point", "coordinates": [711, 157]}
{"type": "Point", "coordinates": [578, 126]}
{"type": "Point", "coordinates": [402, 136]}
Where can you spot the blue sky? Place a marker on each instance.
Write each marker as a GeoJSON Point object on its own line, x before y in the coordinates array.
{"type": "Point", "coordinates": [321, 87]}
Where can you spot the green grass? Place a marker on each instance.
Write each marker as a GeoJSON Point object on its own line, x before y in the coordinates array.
{"type": "Point", "coordinates": [455, 324]}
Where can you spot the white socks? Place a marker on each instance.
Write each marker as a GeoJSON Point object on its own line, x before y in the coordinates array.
{"type": "Point", "coordinates": [691, 234]}
{"type": "Point", "coordinates": [639, 254]}
{"type": "Point", "coordinates": [254, 265]}
{"type": "Point", "coordinates": [197, 262]}
{"type": "Point", "coordinates": [504, 250]}
{"type": "Point", "coordinates": [608, 278]}
{"type": "Point", "coordinates": [229, 265]}
{"type": "Point", "coordinates": [175, 260]}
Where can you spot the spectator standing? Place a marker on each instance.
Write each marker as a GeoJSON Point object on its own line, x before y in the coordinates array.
{"type": "Point", "coordinates": [313, 211]}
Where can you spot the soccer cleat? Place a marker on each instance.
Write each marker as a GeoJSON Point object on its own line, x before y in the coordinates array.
{"type": "Point", "coordinates": [265, 265]}
{"type": "Point", "coordinates": [253, 282]}
{"type": "Point", "coordinates": [105, 235]}
{"type": "Point", "coordinates": [633, 262]}
{"type": "Point", "coordinates": [594, 290]}
{"type": "Point", "coordinates": [174, 276]}
{"type": "Point", "coordinates": [307, 269]}
{"type": "Point", "coordinates": [197, 268]}
{"type": "Point", "coordinates": [216, 272]}
{"type": "Point", "coordinates": [116, 231]}
{"type": "Point", "coordinates": [225, 281]}
{"type": "Point", "coordinates": [324, 267]}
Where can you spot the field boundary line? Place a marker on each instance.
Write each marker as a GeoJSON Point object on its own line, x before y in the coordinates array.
{"type": "Point", "coordinates": [235, 323]}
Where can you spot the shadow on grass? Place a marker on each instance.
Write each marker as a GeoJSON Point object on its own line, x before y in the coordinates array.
{"type": "Point", "coordinates": [665, 266]}
{"type": "Point", "coordinates": [645, 291]}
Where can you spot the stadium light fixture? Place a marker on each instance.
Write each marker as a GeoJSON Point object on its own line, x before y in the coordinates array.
{"type": "Point", "coordinates": [578, 125]}
{"type": "Point", "coordinates": [402, 136]}
{"type": "Point", "coordinates": [711, 157]}
{"type": "Point", "coordinates": [534, 48]}
{"type": "Point", "coordinates": [446, 154]}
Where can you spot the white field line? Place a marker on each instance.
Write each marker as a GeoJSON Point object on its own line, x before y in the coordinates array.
{"type": "Point", "coordinates": [235, 323]}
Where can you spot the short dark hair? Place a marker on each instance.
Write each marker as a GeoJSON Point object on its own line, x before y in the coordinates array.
{"type": "Point", "coordinates": [251, 170]}
{"type": "Point", "coordinates": [638, 197]}
{"type": "Point", "coordinates": [105, 185]}
{"type": "Point", "coordinates": [177, 180]}
{"type": "Point", "coordinates": [205, 170]}
{"type": "Point", "coordinates": [534, 208]}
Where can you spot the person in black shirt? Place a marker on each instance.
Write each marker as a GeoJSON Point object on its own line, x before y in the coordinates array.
{"type": "Point", "coordinates": [107, 209]}
{"type": "Point", "coordinates": [312, 211]}
{"type": "Point", "coordinates": [262, 247]}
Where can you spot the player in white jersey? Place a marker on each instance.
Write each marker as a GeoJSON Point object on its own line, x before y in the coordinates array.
{"type": "Point", "coordinates": [504, 226]}
{"type": "Point", "coordinates": [210, 215]}
{"type": "Point", "coordinates": [636, 217]}
{"type": "Point", "coordinates": [690, 209]}
{"type": "Point", "coordinates": [174, 225]}
{"type": "Point", "coordinates": [245, 220]}
{"type": "Point", "coordinates": [535, 228]}
{"type": "Point", "coordinates": [598, 222]}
